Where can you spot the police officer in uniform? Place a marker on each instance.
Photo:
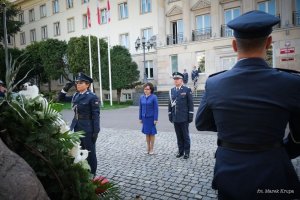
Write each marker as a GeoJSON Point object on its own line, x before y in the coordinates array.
{"type": "Point", "coordinates": [181, 111]}
{"type": "Point", "coordinates": [250, 106]}
{"type": "Point", "coordinates": [87, 115]}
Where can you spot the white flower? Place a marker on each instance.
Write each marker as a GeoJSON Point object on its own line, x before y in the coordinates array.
{"type": "Point", "coordinates": [30, 91]}
{"type": "Point", "coordinates": [78, 153]}
{"type": "Point", "coordinates": [64, 128]}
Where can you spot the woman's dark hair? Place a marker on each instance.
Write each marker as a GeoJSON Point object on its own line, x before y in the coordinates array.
{"type": "Point", "coordinates": [150, 86]}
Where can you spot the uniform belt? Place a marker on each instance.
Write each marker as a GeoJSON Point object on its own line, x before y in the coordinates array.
{"type": "Point", "coordinates": [77, 116]}
{"type": "Point", "coordinates": [248, 147]}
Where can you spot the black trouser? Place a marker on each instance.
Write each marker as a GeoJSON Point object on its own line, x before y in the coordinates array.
{"type": "Point", "coordinates": [183, 137]}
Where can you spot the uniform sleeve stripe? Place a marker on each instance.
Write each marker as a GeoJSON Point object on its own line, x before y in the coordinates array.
{"type": "Point", "coordinates": [191, 112]}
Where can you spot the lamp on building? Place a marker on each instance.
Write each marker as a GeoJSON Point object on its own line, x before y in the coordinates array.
{"type": "Point", "coordinates": [144, 45]}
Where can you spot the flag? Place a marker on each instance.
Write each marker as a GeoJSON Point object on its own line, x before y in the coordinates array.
{"type": "Point", "coordinates": [108, 11]}
{"type": "Point", "coordinates": [98, 13]}
{"type": "Point", "coordinates": [89, 17]}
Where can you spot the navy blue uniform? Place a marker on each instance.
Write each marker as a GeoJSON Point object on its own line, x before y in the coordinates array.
{"type": "Point", "coordinates": [250, 106]}
{"type": "Point", "coordinates": [195, 75]}
{"type": "Point", "coordinates": [185, 78]}
{"type": "Point", "coordinates": [181, 111]}
{"type": "Point", "coordinates": [87, 119]}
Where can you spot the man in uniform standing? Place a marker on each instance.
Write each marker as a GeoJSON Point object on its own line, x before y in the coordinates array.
{"type": "Point", "coordinates": [195, 76]}
{"type": "Point", "coordinates": [250, 106]}
{"type": "Point", "coordinates": [185, 77]}
{"type": "Point", "coordinates": [181, 111]}
{"type": "Point", "coordinates": [86, 115]}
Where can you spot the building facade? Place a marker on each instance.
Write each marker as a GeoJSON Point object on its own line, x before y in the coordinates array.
{"type": "Point", "coordinates": [184, 33]}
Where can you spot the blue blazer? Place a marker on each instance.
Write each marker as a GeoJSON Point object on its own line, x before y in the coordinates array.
{"type": "Point", "coordinates": [148, 107]}
{"type": "Point", "coordinates": [252, 104]}
{"type": "Point", "coordinates": [86, 105]}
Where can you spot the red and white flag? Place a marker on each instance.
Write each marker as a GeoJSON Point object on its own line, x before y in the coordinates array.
{"type": "Point", "coordinates": [108, 11]}
{"type": "Point", "coordinates": [98, 13]}
{"type": "Point", "coordinates": [89, 17]}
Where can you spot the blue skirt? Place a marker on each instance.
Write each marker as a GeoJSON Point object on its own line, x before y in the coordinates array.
{"type": "Point", "coordinates": [149, 127]}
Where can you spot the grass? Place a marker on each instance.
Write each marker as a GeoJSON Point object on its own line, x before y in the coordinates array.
{"type": "Point", "coordinates": [106, 106]}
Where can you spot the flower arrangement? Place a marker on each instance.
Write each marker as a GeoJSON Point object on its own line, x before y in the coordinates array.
{"type": "Point", "coordinates": [105, 189]}
{"type": "Point", "coordinates": [34, 129]}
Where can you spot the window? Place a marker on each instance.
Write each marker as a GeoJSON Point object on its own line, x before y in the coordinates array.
{"type": "Point", "coordinates": [22, 38]}
{"type": "Point", "coordinates": [69, 3]}
{"type": "Point", "coordinates": [55, 6]}
{"type": "Point", "coordinates": [124, 40]}
{"type": "Point", "coordinates": [296, 13]}
{"type": "Point", "coordinates": [267, 6]}
{"type": "Point", "coordinates": [84, 1]}
{"type": "Point", "coordinates": [200, 59]}
{"type": "Point", "coordinates": [174, 63]}
{"type": "Point", "coordinates": [229, 15]}
{"type": "Point", "coordinates": [61, 80]}
{"type": "Point", "coordinates": [71, 25]}
{"type": "Point", "coordinates": [147, 33]}
{"type": "Point", "coordinates": [123, 9]}
{"type": "Point", "coordinates": [127, 96]}
{"type": "Point", "coordinates": [103, 16]}
{"type": "Point", "coordinates": [106, 96]}
{"type": "Point", "coordinates": [145, 6]}
{"type": "Point", "coordinates": [84, 21]}
{"type": "Point", "coordinates": [32, 35]}
{"type": "Point", "coordinates": [203, 22]}
{"type": "Point", "coordinates": [21, 17]}
{"type": "Point", "coordinates": [228, 62]}
{"type": "Point", "coordinates": [43, 11]}
{"type": "Point", "coordinates": [9, 40]}
{"type": "Point", "coordinates": [44, 32]}
{"type": "Point", "coordinates": [149, 69]}
{"type": "Point", "coordinates": [56, 28]}
{"type": "Point", "coordinates": [31, 15]}
{"type": "Point", "coordinates": [177, 32]}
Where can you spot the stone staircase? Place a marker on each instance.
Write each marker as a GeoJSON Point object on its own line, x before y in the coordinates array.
{"type": "Point", "coordinates": [163, 97]}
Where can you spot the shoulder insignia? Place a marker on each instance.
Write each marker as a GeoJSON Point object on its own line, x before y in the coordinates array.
{"type": "Point", "coordinates": [289, 71]}
{"type": "Point", "coordinates": [217, 73]}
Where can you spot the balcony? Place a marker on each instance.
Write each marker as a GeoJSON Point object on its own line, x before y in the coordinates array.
{"type": "Point", "coordinates": [175, 39]}
{"type": "Point", "coordinates": [201, 34]}
{"type": "Point", "coordinates": [225, 31]}
{"type": "Point", "coordinates": [296, 18]}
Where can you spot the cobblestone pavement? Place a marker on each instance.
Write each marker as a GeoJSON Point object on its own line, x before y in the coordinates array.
{"type": "Point", "coordinates": [122, 158]}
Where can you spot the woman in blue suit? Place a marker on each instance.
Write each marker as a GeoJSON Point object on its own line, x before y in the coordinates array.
{"type": "Point", "coordinates": [148, 115]}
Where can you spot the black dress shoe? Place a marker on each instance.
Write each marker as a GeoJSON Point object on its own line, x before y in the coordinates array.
{"type": "Point", "coordinates": [186, 156]}
{"type": "Point", "coordinates": [179, 155]}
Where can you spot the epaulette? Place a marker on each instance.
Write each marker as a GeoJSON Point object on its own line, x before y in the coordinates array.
{"type": "Point", "coordinates": [217, 73]}
{"type": "Point", "coordinates": [289, 71]}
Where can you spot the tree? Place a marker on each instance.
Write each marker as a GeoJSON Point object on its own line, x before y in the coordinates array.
{"type": "Point", "coordinates": [78, 54]}
{"type": "Point", "coordinates": [11, 12]}
{"type": "Point", "coordinates": [52, 52]}
{"type": "Point", "coordinates": [124, 71]}
{"type": "Point", "coordinates": [34, 60]}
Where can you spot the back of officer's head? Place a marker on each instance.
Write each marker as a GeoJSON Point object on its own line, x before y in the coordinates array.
{"type": "Point", "coordinates": [252, 30]}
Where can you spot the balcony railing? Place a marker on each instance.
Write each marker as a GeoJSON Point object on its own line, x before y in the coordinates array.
{"type": "Point", "coordinates": [296, 18]}
{"type": "Point", "coordinates": [225, 31]}
{"type": "Point", "coordinates": [201, 34]}
{"type": "Point", "coordinates": [175, 39]}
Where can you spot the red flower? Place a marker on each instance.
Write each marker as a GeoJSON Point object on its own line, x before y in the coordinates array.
{"type": "Point", "coordinates": [102, 184]}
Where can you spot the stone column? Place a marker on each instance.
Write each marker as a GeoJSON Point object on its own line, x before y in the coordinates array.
{"type": "Point", "coordinates": [216, 20]}
{"type": "Point", "coordinates": [186, 13]}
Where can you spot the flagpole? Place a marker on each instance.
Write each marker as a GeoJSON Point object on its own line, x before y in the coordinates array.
{"type": "Point", "coordinates": [109, 71]}
{"type": "Point", "coordinates": [108, 49]}
{"type": "Point", "coordinates": [90, 49]}
{"type": "Point", "coordinates": [99, 66]}
{"type": "Point", "coordinates": [90, 55]}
